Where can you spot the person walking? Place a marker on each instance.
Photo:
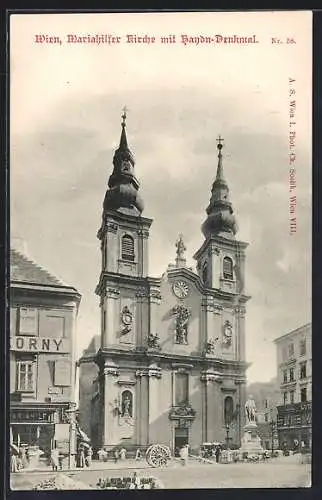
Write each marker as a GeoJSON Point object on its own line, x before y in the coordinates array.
{"type": "Point", "coordinates": [184, 454]}
{"type": "Point", "coordinates": [138, 454]}
{"type": "Point", "coordinates": [54, 459]}
{"type": "Point", "coordinates": [217, 454]}
{"type": "Point", "coordinates": [81, 457]}
{"type": "Point", "coordinates": [123, 454]}
{"type": "Point", "coordinates": [14, 461]}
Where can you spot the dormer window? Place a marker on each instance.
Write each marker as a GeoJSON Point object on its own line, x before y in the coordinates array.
{"type": "Point", "coordinates": [228, 268]}
{"type": "Point", "coordinates": [127, 246]}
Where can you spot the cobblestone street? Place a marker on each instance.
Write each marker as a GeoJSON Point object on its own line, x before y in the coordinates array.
{"type": "Point", "coordinates": [286, 472]}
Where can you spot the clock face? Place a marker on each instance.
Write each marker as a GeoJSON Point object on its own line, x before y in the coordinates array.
{"type": "Point", "coordinates": [180, 289]}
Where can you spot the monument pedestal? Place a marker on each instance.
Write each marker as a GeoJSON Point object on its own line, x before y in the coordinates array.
{"type": "Point", "coordinates": [250, 442]}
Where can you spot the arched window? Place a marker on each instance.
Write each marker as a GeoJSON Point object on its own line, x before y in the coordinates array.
{"type": "Point", "coordinates": [229, 409]}
{"type": "Point", "coordinates": [205, 273]}
{"type": "Point", "coordinates": [228, 268]}
{"type": "Point", "coordinates": [127, 404]}
{"type": "Point", "coordinates": [127, 248]}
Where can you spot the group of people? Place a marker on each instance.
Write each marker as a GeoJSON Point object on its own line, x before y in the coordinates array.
{"type": "Point", "coordinates": [19, 458]}
{"type": "Point", "coordinates": [119, 454]}
{"type": "Point", "coordinates": [84, 456]}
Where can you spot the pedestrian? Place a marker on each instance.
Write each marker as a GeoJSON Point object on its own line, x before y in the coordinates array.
{"type": "Point", "coordinates": [116, 455]}
{"type": "Point", "coordinates": [81, 457]}
{"type": "Point", "coordinates": [138, 454]}
{"type": "Point", "coordinates": [14, 462]}
{"type": "Point", "coordinates": [217, 454]}
{"type": "Point", "coordinates": [89, 456]}
{"type": "Point", "coordinates": [23, 457]}
{"type": "Point", "coordinates": [123, 454]}
{"type": "Point", "coordinates": [54, 459]}
{"type": "Point", "coordinates": [184, 454]}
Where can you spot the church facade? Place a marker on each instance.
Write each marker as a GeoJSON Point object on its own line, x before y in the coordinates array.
{"type": "Point", "coordinates": [171, 364]}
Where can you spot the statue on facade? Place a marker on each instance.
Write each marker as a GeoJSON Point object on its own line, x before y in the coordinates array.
{"type": "Point", "coordinates": [250, 409]}
{"type": "Point", "coordinates": [182, 314]}
{"type": "Point", "coordinates": [153, 341]}
{"type": "Point", "coordinates": [180, 246]}
{"type": "Point", "coordinates": [211, 345]}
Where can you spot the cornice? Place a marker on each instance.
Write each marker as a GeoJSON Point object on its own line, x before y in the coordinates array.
{"type": "Point", "coordinates": [222, 243]}
{"type": "Point", "coordinates": [236, 367]}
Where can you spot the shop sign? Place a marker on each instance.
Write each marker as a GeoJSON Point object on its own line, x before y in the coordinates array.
{"type": "Point", "coordinates": [32, 416]}
{"type": "Point", "coordinates": [39, 344]}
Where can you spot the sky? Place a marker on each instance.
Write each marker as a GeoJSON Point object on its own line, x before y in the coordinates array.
{"type": "Point", "coordinates": [66, 102]}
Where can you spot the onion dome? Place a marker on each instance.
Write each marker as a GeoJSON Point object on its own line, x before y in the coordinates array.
{"type": "Point", "coordinates": [220, 219]}
{"type": "Point", "coordinates": [123, 185]}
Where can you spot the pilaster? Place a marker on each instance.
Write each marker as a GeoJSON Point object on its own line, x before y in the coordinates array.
{"type": "Point", "coordinates": [109, 332]}
{"type": "Point", "coordinates": [211, 404]}
{"type": "Point", "coordinates": [110, 373]}
{"type": "Point", "coordinates": [155, 374]}
{"type": "Point", "coordinates": [143, 417]}
{"type": "Point", "coordinates": [240, 312]}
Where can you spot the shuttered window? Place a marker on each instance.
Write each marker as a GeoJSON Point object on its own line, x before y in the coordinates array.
{"type": "Point", "coordinates": [62, 373]}
{"type": "Point", "coordinates": [128, 248]}
{"type": "Point", "coordinates": [28, 323]}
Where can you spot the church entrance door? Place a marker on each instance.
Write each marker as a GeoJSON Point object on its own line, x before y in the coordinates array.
{"type": "Point", "coordinates": [181, 437]}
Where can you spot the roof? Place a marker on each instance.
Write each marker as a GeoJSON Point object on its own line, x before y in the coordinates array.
{"type": "Point", "coordinates": [299, 330]}
{"type": "Point", "coordinates": [24, 270]}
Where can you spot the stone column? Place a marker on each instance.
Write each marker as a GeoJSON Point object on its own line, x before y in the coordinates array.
{"type": "Point", "coordinates": [109, 335]}
{"type": "Point", "coordinates": [154, 395]}
{"type": "Point", "coordinates": [143, 418]}
{"type": "Point", "coordinates": [110, 403]}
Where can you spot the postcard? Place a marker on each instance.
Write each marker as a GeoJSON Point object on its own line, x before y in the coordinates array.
{"type": "Point", "coordinates": [160, 262]}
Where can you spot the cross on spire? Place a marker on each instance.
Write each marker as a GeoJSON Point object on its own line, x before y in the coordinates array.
{"type": "Point", "coordinates": [125, 109]}
{"type": "Point", "coordinates": [220, 140]}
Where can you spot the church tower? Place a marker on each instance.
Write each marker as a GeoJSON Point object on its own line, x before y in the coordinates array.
{"type": "Point", "coordinates": [221, 258]}
{"type": "Point", "coordinates": [125, 296]}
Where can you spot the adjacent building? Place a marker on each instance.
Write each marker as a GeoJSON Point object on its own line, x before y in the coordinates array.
{"type": "Point", "coordinates": [171, 365]}
{"type": "Point", "coordinates": [294, 362]}
{"type": "Point", "coordinates": [42, 357]}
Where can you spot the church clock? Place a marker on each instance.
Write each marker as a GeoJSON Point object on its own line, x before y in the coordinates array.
{"type": "Point", "coordinates": [180, 289]}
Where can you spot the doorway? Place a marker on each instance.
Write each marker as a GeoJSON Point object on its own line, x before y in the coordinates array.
{"type": "Point", "coordinates": [181, 437]}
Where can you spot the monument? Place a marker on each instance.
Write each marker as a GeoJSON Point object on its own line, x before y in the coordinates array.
{"type": "Point", "coordinates": [250, 442]}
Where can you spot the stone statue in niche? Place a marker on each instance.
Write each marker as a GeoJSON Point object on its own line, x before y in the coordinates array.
{"type": "Point", "coordinates": [126, 320]}
{"type": "Point", "coordinates": [127, 404]}
{"type": "Point", "coordinates": [182, 314]}
{"type": "Point", "coordinates": [228, 333]}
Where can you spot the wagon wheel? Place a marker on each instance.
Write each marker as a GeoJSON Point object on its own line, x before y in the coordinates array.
{"type": "Point", "coordinates": [158, 455]}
